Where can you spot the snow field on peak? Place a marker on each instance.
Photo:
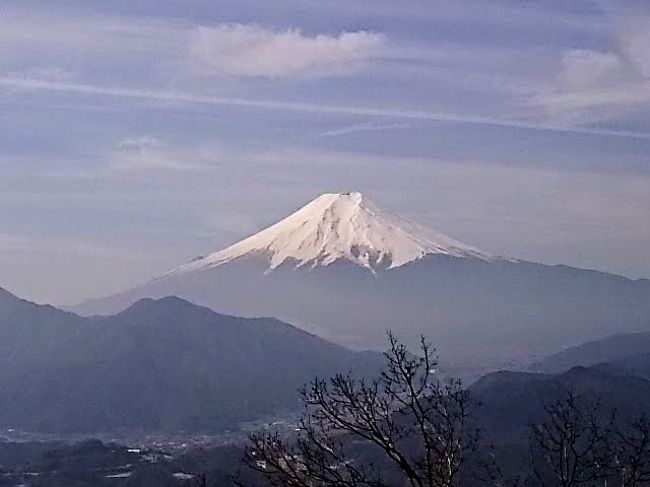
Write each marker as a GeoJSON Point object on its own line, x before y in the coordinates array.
{"type": "Point", "coordinates": [338, 226]}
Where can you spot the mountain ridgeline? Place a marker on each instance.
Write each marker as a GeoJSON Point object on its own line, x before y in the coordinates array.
{"type": "Point", "coordinates": [159, 365]}
{"type": "Point", "coordinates": [169, 365]}
{"type": "Point", "coordinates": [612, 349]}
{"type": "Point", "coordinates": [347, 270]}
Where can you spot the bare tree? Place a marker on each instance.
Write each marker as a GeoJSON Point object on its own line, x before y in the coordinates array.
{"type": "Point", "coordinates": [489, 472]}
{"type": "Point", "coordinates": [572, 446]}
{"type": "Point", "coordinates": [633, 453]}
{"type": "Point", "coordinates": [407, 419]}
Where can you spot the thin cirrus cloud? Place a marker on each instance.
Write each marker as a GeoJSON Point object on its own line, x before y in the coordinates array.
{"type": "Point", "coordinates": [27, 84]}
{"type": "Point", "coordinates": [146, 153]}
{"type": "Point", "coordinates": [244, 50]}
{"type": "Point", "coordinates": [364, 127]}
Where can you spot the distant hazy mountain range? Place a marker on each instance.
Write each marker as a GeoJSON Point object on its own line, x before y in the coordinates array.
{"type": "Point", "coordinates": [607, 350]}
{"type": "Point", "coordinates": [347, 270]}
{"type": "Point", "coordinates": [159, 365]}
{"type": "Point", "coordinates": [172, 365]}
{"type": "Point", "coordinates": [614, 370]}
{"type": "Point", "coordinates": [511, 401]}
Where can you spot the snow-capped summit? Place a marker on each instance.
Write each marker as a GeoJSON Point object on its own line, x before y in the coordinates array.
{"type": "Point", "coordinates": [339, 226]}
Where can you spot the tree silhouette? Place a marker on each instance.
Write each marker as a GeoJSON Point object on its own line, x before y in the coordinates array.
{"type": "Point", "coordinates": [633, 453]}
{"type": "Point", "coordinates": [407, 420]}
{"type": "Point", "coordinates": [572, 446]}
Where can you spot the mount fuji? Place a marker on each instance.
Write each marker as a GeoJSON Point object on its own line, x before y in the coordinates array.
{"type": "Point", "coordinates": [335, 227]}
{"type": "Point", "coordinates": [348, 270]}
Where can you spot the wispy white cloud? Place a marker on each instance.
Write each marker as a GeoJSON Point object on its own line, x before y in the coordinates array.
{"type": "Point", "coordinates": [635, 39]}
{"type": "Point", "coordinates": [84, 36]}
{"type": "Point", "coordinates": [150, 55]}
{"type": "Point", "coordinates": [600, 103]}
{"type": "Point", "coordinates": [147, 153]}
{"type": "Point", "coordinates": [592, 79]}
{"type": "Point", "coordinates": [364, 127]}
{"type": "Point", "coordinates": [583, 67]}
{"type": "Point", "coordinates": [382, 113]}
{"type": "Point", "coordinates": [594, 85]}
{"type": "Point", "coordinates": [252, 50]}
{"type": "Point", "coordinates": [44, 72]}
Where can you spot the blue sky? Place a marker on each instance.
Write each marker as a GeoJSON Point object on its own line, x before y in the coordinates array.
{"type": "Point", "coordinates": [136, 135]}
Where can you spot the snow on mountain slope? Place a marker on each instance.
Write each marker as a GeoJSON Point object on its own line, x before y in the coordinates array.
{"type": "Point", "coordinates": [339, 226]}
